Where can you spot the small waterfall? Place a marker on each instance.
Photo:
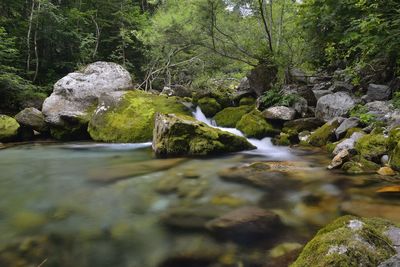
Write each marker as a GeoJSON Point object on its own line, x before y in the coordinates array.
{"type": "Point", "coordinates": [264, 146]}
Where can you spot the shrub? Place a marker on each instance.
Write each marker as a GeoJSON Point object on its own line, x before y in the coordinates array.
{"type": "Point", "coordinates": [276, 98]}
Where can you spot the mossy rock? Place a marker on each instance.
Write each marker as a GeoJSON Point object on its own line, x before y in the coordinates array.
{"type": "Point", "coordinates": [324, 134]}
{"type": "Point", "coordinates": [253, 124]}
{"type": "Point", "coordinates": [129, 117]}
{"type": "Point", "coordinates": [209, 106]}
{"type": "Point", "coordinates": [394, 138]}
{"type": "Point", "coordinates": [350, 132]}
{"type": "Point", "coordinates": [282, 140]}
{"type": "Point", "coordinates": [372, 146]}
{"type": "Point", "coordinates": [9, 128]}
{"type": "Point", "coordinates": [359, 165]}
{"type": "Point", "coordinates": [395, 158]}
{"type": "Point", "coordinates": [180, 135]}
{"type": "Point", "coordinates": [229, 117]}
{"type": "Point", "coordinates": [247, 101]}
{"type": "Point", "coordinates": [349, 241]}
{"type": "Point", "coordinates": [330, 147]}
{"type": "Point", "coordinates": [394, 148]}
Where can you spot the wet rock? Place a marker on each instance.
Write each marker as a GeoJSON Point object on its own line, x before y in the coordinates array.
{"type": "Point", "coordinates": [254, 125]}
{"type": "Point", "coordinates": [209, 106]}
{"type": "Point", "coordinates": [359, 165]}
{"type": "Point", "coordinates": [113, 173]}
{"type": "Point", "coordinates": [324, 134]}
{"type": "Point", "coordinates": [9, 128]}
{"type": "Point", "coordinates": [339, 159]}
{"type": "Point", "coordinates": [230, 116]}
{"type": "Point", "coordinates": [345, 126]}
{"type": "Point", "coordinates": [75, 96]}
{"type": "Point", "coordinates": [349, 241]}
{"type": "Point", "coordinates": [128, 117]}
{"type": "Point", "coordinates": [386, 171]}
{"type": "Point", "coordinates": [378, 92]}
{"type": "Point", "coordinates": [279, 113]}
{"type": "Point", "coordinates": [334, 105]}
{"type": "Point", "coordinates": [177, 90]}
{"type": "Point", "coordinates": [191, 217]}
{"type": "Point", "coordinates": [176, 135]}
{"type": "Point", "coordinates": [262, 174]}
{"type": "Point", "coordinates": [32, 118]}
{"type": "Point", "coordinates": [372, 209]}
{"type": "Point", "coordinates": [245, 222]}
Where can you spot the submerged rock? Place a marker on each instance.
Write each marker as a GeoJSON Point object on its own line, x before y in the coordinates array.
{"type": "Point", "coordinates": [334, 105]}
{"type": "Point", "coordinates": [229, 117]}
{"type": "Point", "coordinates": [349, 241]}
{"type": "Point", "coordinates": [129, 117]}
{"type": "Point", "coordinates": [245, 223]}
{"type": "Point", "coordinates": [32, 118]}
{"type": "Point", "coordinates": [176, 135]}
{"type": "Point", "coordinates": [74, 98]}
{"type": "Point", "coordinates": [254, 125]}
{"type": "Point", "coordinates": [9, 128]}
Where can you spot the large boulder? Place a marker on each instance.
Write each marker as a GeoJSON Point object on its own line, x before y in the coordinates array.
{"type": "Point", "coordinates": [254, 125]}
{"type": "Point", "coordinates": [180, 135]}
{"type": "Point", "coordinates": [334, 105]}
{"type": "Point", "coordinates": [229, 117]}
{"type": "Point", "coordinates": [129, 116]}
{"type": "Point", "coordinates": [262, 78]}
{"type": "Point", "coordinates": [209, 106]}
{"type": "Point", "coordinates": [32, 118]}
{"type": "Point", "coordinates": [281, 113]}
{"type": "Point", "coordinates": [378, 92]}
{"type": "Point", "coordinates": [74, 98]}
{"type": "Point", "coordinates": [351, 241]}
{"type": "Point", "coordinates": [9, 128]}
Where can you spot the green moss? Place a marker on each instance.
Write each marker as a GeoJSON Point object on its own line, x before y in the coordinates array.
{"type": "Point", "coordinates": [372, 146]}
{"type": "Point", "coordinates": [359, 165]}
{"type": "Point", "coordinates": [8, 128]}
{"type": "Point", "coordinates": [254, 125]}
{"type": "Point", "coordinates": [132, 119]}
{"type": "Point", "coordinates": [282, 140]}
{"type": "Point", "coordinates": [247, 101]}
{"type": "Point", "coordinates": [330, 147]}
{"type": "Point", "coordinates": [394, 138]}
{"type": "Point", "coordinates": [348, 241]}
{"type": "Point", "coordinates": [323, 134]}
{"type": "Point", "coordinates": [350, 131]}
{"type": "Point", "coordinates": [209, 106]}
{"type": "Point", "coordinates": [229, 117]}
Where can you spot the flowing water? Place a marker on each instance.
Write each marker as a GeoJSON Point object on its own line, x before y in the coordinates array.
{"type": "Point", "coordinates": [89, 204]}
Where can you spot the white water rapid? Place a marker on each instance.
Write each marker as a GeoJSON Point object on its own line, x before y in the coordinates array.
{"type": "Point", "coordinates": [264, 146]}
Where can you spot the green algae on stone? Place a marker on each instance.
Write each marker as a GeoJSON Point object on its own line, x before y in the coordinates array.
{"type": "Point", "coordinates": [229, 117]}
{"type": "Point", "coordinates": [8, 128]}
{"type": "Point", "coordinates": [131, 117]}
{"type": "Point", "coordinates": [323, 134]}
{"type": "Point", "coordinates": [349, 241]}
{"type": "Point", "coordinates": [209, 106]}
{"type": "Point", "coordinates": [372, 146]}
{"type": "Point", "coordinates": [253, 124]}
{"type": "Point", "coordinates": [180, 135]}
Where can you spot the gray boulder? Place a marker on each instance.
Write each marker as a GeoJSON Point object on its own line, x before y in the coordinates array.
{"type": "Point", "coordinates": [347, 144]}
{"type": "Point", "coordinates": [334, 105]}
{"type": "Point", "coordinates": [32, 118]}
{"type": "Point", "coordinates": [342, 87]}
{"type": "Point", "coordinates": [379, 108]}
{"type": "Point", "coordinates": [377, 92]}
{"type": "Point", "coordinates": [279, 113]}
{"type": "Point", "coordinates": [346, 125]}
{"type": "Point", "coordinates": [262, 78]}
{"type": "Point", "coordinates": [75, 96]}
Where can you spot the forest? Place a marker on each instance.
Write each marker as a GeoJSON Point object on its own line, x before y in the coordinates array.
{"type": "Point", "coordinates": [199, 133]}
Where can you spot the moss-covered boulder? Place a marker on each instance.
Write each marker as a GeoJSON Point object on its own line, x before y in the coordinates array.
{"type": "Point", "coordinates": [229, 117]}
{"type": "Point", "coordinates": [129, 117]}
{"type": "Point", "coordinates": [181, 135]}
{"type": "Point", "coordinates": [209, 106]}
{"type": "Point", "coordinates": [350, 241]}
{"type": "Point", "coordinates": [9, 128]}
{"type": "Point", "coordinates": [359, 165]}
{"type": "Point", "coordinates": [372, 146]}
{"type": "Point", "coordinates": [324, 134]}
{"type": "Point", "coordinates": [254, 125]}
{"type": "Point", "coordinates": [293, 128]}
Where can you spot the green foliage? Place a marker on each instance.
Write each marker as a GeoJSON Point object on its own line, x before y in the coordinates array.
{"type": "Point", "coordinates": [396, 100]}
{"type": "Point", "coordinates": [360, 111]}
{"type": "Point", "coordinates": [276, 98]}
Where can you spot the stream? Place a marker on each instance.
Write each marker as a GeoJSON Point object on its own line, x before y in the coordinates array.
{"type": "Point", "coordinates": [93, 204]}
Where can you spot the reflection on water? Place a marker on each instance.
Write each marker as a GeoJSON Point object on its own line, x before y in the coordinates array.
{"type": "Point", "coordinates": [70, 205]}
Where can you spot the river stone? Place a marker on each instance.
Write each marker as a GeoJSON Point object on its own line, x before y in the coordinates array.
{"type": "Point", "coordinates": [279, 113]}
{"type": "Point", "coordinates": [334, 105]}
{"type": "Point", "coordinates": [349, 241]}
{"type": "Point", "coordinates": [9, 128]}
{"type": "Point", "coordinates": [377, 92]}
{"type": "Point", "coordinates": [339, 159]}
{"type": "Point", "coordinates": [347, 143]}
{"type": "Point", "coordinates": [245, 222]}
{"type": "Point", "coordinates": [128, 117]}
{"type": "Point", "coordinates": [346, 125]}
{"type": "Point", "coordinates": [75, 96]}
{"type": "Point", "coordinates": [177, 135]}
{"type": "Point", "coordinates": [32, 118]}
